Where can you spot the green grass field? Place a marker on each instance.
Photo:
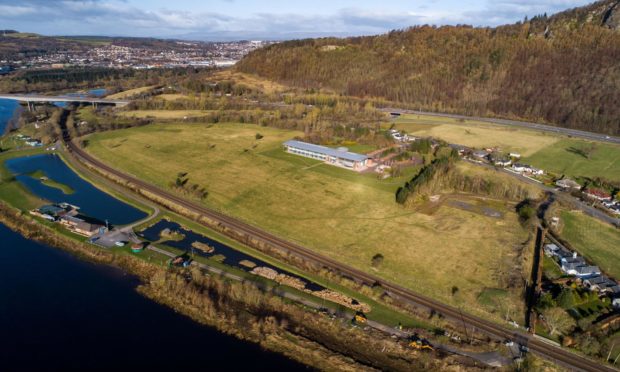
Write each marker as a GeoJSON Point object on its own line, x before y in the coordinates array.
{"type": "Point", "coordinates": [570, 157]}
{"type": "Point", "coordinates": [476, 134]}
{"type": "Point", "coordinates": [130, 93]}
{"type": "Point", "coordinates": [339, 213]}
{"type": "Point", "coordinates": [552, 153]}
{"type": "Point", "coordinates": [164, 114]}
{"type": "Point", "coordinates": [593, 239]}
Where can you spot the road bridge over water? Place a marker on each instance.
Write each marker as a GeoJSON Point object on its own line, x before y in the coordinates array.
{"type": "Point", "coordinates": [32, 99]}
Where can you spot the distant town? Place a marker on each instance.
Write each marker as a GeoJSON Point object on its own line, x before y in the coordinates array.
{"type": "Point", "coordinates": [135, 54]}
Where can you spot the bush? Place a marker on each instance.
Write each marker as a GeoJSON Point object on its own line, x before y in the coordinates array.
{"type": "Point", "coordinates": [377, 260]}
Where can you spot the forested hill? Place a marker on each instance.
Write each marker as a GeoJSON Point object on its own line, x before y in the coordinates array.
{"type": "Point", "coordinates": [563, 69]}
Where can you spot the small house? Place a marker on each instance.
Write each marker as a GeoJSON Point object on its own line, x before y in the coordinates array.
{"type": "Point", "coordinates": [587, 271]}
{"type": "Point", "coordinates": [480, 154]}
{"type": "Point", "coordinates": [567, 184]}
{"type": "Point", "coordinates": [551, 250]}
{"type": "Point", "coordinates": [598, 194]}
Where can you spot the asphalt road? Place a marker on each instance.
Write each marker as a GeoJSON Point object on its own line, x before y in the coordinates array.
{"type": "Point", "coordinates": [514, 123]}
{"type": "Point", "coordinates": [551, 352]}
{"type": "Point", "coordinates": [563, 196]}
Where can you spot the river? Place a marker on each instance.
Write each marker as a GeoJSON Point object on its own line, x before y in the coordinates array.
{"type": "Point", "coordinates": [60, 313]}
{"type": "Point", "coordinates": [7, 110]}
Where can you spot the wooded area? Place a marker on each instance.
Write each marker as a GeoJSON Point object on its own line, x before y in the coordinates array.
{"type": "Point", "coordinates": [562, 70]}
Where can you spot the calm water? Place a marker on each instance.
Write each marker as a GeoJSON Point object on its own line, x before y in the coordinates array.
{"type": "Point", "coordinates": [7, 109]}
{"type": "Point", "coordinates": [92, 201]}
{"type": "Point", "coordinates": [232, 257]}
{"type": "Point", "coordinates": [59, 313]}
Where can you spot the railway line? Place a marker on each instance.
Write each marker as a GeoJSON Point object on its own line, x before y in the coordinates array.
{"type": "Point", "coordinates": [544, 349]}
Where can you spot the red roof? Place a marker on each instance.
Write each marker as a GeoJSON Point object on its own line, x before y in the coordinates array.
{"type": "Point", "coordinates": [598, 193]}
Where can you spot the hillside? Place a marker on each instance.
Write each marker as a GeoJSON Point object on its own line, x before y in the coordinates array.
{"type": "Point", "coordinates": [562, 69]}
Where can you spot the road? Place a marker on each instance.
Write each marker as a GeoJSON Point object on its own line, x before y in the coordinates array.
{"type": "Point", "coordinates": [41, 98]}
{"type": "Point", "coordinates": [514, 123]}
{"type": "Point", "coordinates": [560, 195]}
{"type": "Point", "coordinates": [551, 352]}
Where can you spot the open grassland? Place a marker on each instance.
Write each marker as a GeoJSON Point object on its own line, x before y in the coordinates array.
{"type": "Point", "coordinates": [164, 114]}
{"type": "Point", "coordinates": [130, 93]}
{"type": "Point", "coordinates": [253, 81]}
{"type": "Point", "coordinates": [476, 134]}
{"type": "Point", "coordinates": [171, 96]}
{"type": "Point", "coordinates": [342, 214]}
{"type": "Point", "coordinates": [595, 240]}
{"type": "Point", "coordinates": [577, 158]}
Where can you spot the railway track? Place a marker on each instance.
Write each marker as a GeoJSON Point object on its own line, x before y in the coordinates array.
{"type": "Point", "coordinates": [546, 350]}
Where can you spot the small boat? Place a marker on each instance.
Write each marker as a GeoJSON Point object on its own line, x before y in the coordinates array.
{"type": "Point", "coordinates": [137, 247]}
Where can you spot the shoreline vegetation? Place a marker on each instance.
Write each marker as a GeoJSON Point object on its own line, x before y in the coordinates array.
{"type": "Point", "coordinates": [244, 310]}
{"type": "Point", "coordinates": [41, 176]}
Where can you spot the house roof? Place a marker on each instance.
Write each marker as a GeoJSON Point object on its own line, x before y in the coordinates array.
{"type": "Point", "coordinates": [326, 150]}
{"type": "Point", "coordinates": [587, 269]}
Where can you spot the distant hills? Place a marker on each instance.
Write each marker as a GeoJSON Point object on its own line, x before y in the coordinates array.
{"type": "Point", "coordinates": [562, 69]}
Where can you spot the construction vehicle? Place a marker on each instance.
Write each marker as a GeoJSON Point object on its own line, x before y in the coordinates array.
{"type": "Point", "coordinates": [359, 318]}
{"type": "Point", "coordinates": [418, 343]}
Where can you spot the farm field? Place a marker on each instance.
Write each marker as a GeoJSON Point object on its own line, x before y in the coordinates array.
{"type": "Point", "coordinates": [342, 214]}
{"type": "Point", "coordinates": [476, 134]}
{"type": "Point", "coordinates": [594, 240]}
{"type": "Point", "coordinates": [570, 157]}
{"type": "Point", "coordinates": [164, 114]}
{"type": "Point", "coordinates": [129, 93]}
{"type": "Point", "coordinates": [552, 153]}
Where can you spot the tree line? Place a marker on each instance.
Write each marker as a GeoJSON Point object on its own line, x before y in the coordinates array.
{"type": "Point", "coordinates": [557, 70]}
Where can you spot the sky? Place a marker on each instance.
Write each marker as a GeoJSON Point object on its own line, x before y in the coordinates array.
{"type": "Point", "coordinates": [256, 19]}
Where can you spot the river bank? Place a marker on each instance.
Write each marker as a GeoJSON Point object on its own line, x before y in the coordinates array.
{"type": "Point", "coordinates": [65, 314]}
{"type": "Point", "coordinates": [243, 310]}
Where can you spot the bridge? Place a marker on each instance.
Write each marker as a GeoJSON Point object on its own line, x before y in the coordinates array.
{"type": "Point", "coordinates": [31, 100]}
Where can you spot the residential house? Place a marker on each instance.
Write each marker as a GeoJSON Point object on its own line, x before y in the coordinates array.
{"type": "Point", "coordinates": [480, 154]}
{"type": "Point", "coordinates": [600, 283]}
{"type": "Point", "coordinates": [568, 184]}
{"type": "Point", "coordinates": [515, 155]}
{"type": "Point", "coordinates": [587, 271]}
{"type": "Point", "coordinates": [570, 265]}
{"type": "Point", "coordinates": [598, 194]}
{"type": "Point", "coordinates": [551, 250]}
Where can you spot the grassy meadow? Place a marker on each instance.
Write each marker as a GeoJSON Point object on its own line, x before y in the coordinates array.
{"type": "Point", "coordinates": [476, 134]}
{"type": "Point", "coordinates": [340, 213]}
{"type": "Point", "coordinates": [552, 153]}
{"type": "Point", "coordinates": [130, 93]}
{"type": "Point", "coordinates": [164, 114]}
{"type": "Point", "coordinates": [595, 240]}
{"type": "Point", "coordinates": [577, 158]}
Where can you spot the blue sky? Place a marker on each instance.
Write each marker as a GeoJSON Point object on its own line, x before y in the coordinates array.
{"type": "Point", "coordinates": [267, 19]}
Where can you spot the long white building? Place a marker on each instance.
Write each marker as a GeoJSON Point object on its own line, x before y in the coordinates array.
{"type": "Point", "coordinates": [338, 157]}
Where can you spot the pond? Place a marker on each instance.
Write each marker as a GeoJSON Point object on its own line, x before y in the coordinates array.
{"type": "Point", "coordinates": [231, 256]}
{"type": "Point", "coordinates": [92, 201]}
{"type": "Point", "coordinates": [58, 313]}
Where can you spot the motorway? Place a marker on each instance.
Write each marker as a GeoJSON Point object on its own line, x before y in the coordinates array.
{"type": "Point", "coordinates": [494, 330]}
{"type": "Point", "coordinates": [514, 123]}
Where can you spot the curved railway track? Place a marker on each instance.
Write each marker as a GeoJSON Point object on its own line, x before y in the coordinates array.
{"type": "Point", "coordinates": [544, 349]}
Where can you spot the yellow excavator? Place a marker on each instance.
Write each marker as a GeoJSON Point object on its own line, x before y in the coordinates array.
{"type": "Point", "coordinates": [418, 343]}
{"type": "Point", "coordinates": [359, 318]}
